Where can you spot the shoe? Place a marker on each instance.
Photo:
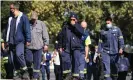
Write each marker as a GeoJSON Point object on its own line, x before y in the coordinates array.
{"type": "Point", "coordinates": [25, 75]}
{"type": "Point", "coordinates": [68, 77]}
{"type": "Point", "coordinates": [75, 78]}
{"type": "Point", "coordinates": [17, 76]}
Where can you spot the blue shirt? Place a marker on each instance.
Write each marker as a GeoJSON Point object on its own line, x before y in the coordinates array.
{"type": "Point", "coordinates": [123, 64]}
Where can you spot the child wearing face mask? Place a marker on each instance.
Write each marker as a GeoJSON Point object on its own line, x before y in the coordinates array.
{"type": "Point", "coordinates": [123, 66]}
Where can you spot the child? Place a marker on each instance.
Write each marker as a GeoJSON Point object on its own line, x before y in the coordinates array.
{"type": "Point", "coordinates": [92, 66]}
{"type": "Point", "coordinates": [123, 65]}
{"type": "Point", "coordinates": [57, 67]}
{"type": "Point", "coordinates": [45, 64]}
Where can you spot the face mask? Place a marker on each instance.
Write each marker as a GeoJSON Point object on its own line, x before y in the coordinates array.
{"type": "Point", "coordinates": [109, 26]}
{"type": "Point", "coordinates": [33, 21]}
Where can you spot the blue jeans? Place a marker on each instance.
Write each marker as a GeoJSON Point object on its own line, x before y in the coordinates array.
{"type": "Point", "coordinates": [43, 69]}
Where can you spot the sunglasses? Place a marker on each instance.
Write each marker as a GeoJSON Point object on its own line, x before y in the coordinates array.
{"type": "Point", "coordinates": [73, 20]}
{"type": "Point", "coordinates": [12, 8]}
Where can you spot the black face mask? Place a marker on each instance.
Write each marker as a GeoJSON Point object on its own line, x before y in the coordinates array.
{"type": "Point", "coordinates": [33, 21]}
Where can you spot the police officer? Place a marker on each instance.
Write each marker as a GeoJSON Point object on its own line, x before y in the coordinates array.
{"type": "Point", "coordinates": [111, 44]}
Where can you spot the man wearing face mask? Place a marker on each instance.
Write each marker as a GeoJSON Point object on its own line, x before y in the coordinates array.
{"type": "Point", "coordinates": [39, 39]}
{"type": "Point", "coordinates": [18, 34]}
{"type": "Point", "coordinates": [111, 44]}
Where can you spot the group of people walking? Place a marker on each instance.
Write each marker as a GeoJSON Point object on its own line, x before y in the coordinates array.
{"type": "Point", "coordinates": [75, 56]}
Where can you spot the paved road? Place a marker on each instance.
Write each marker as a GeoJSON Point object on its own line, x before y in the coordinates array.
{"type": "Point", "coordinates": [52, 76]}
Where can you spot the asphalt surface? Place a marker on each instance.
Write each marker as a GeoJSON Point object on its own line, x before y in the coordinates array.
{"type": "Point", "coordinates": [52, 76]}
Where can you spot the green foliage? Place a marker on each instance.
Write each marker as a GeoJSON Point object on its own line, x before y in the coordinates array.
{"type": "Point", "coordinates": [54, 13]}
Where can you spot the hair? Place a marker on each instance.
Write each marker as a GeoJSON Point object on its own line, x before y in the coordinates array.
{"type": "Point", "coordinates": [16, 5]}
{"type": "Point", "coordinates": [108, 19]}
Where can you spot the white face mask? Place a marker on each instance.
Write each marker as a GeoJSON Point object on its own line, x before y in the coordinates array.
{"type": "Point", "coordinates": [109, 26]}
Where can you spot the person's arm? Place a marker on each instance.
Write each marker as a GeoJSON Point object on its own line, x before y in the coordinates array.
{"type": "Point", "coordinates": [100, 44]}
{"type": "Point", "coordinates": [78, 29]}
{"type": "Point", "coordinates": [2, 45]}
{"type": "Point", "coordinates": [121, 41]}
{"type": "Point", "coordinates": [87, 49]}
{"type": "Point", "coordinates": [45, 34]}
{"type": "Point", "coordinates": [43, 58]}
{"type": "Point", "coordinates": [27, 30]}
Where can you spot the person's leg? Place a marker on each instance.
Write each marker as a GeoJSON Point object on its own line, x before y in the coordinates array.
{"type": "Point", "coordinates": [12, 62]}
{"type": "Point", "coordinates": [95, 73]}
{"type": "Point", "coordinates": [29, 61]}
{"type": "Point", "coordinates": [20, 55]}
{"type": "Point", "coordinates": [55, 72]}
{"type": "Point", "coordinates": [37, 55]}
{"type": "Point", "coordinates": [59, 72]}
{"type": "Point", "coordinates": [75, 63]}
{"type": "Point", "coordinates": [114, 66]}
{"type": "Point", "coordinates": [81, 64]}
{"type": "Point", "coordinates": [48, 72]}
{"type": "Point", "coordinates": [106, 65]}
{"type": "Point", "coordinates": [89, 72]}
{"type": "Point", "coordinates": [66, 63]}
{"type": "Point", "coordinates": [43, 72]}
{"type": "Point", "coordinates": [63, 64]}
{"type": "Point", "coordinates": [122, 75]}
{"type": "Point", "coordinates": [68, 66]}
{"type": "Point", "coordinates": [10, 67]}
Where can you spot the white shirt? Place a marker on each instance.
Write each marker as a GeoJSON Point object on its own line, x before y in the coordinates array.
{"type": "Point", "coordinates": [56, 58]}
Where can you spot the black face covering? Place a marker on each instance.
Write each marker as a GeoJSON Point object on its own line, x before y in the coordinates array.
{"type": "Point", "coordinates": [33, 21]}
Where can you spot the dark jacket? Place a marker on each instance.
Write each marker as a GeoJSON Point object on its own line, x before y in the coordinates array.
{"type": "Point", "coordinates": [70, 36]}
{"type": "Point", "coordinates": [111, 40]}
{"type": "Point", "coordinates": [22, 33]}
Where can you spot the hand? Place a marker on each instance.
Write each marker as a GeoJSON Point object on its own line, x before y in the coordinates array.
{"type": "Point", "coordinates": [86, 59]}
{"type": "Point", "coordinates": [27, 43]}
{"type": "Point", "coordinates": [120, 51]}
{"type": "Point", "coordinates": [61, 50]}
{"type": "Point", "coordinates": [94, 60]}
{"type": "Point", "coordinates": [73, 22]}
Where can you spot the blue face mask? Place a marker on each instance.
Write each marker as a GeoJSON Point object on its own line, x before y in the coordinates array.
{"type": "Point", "coordinates": [109, 26]}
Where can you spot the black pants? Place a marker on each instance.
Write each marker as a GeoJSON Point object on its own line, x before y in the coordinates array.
{"type": "Point", "coordinates": [57, 71]}
{"type": "Point", "coordinates": [122, 75]}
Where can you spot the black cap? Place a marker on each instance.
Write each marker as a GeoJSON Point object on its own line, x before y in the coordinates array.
{"type": "Point", "coordinates": [108, 19]}
{"type": "Point", "coordinates": [72, 14]}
